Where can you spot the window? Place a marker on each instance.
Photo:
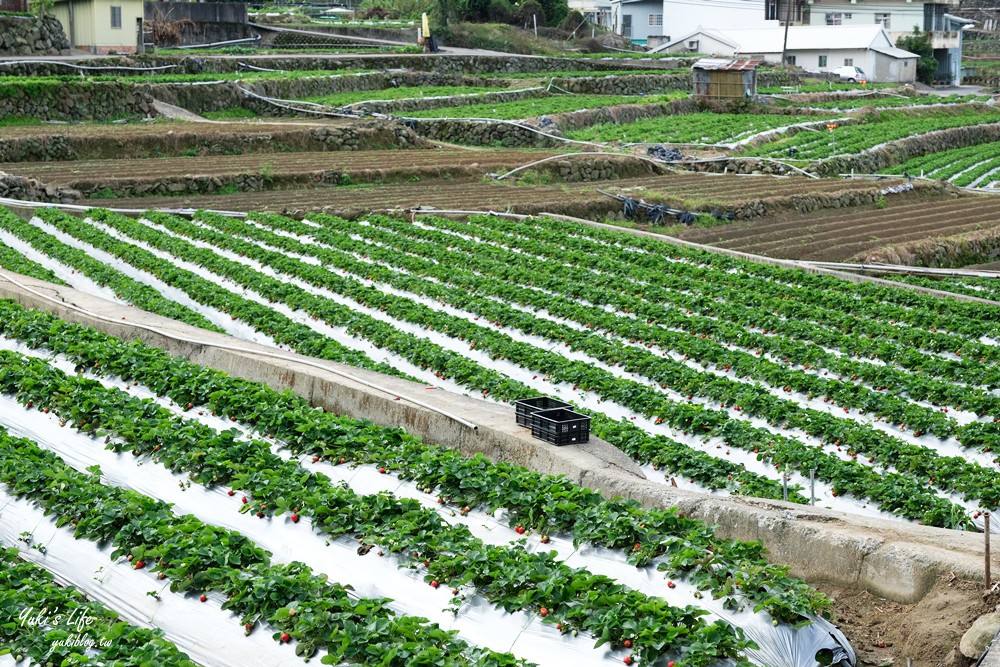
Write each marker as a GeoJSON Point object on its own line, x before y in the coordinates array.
{"type": "Point", "coordinates": [655, 20]}
{"type": "Point", "coordinates": [771, 10]}
{"type": "Point", "coordinates": [791, 60]}
{"type": "Point", "coordinates": [834, 19]}
{"type": "Point", "coordinates": [848, 61]}
{"type": "Point", "coordinates": [822, 61]}
{"type": "Point", "coordinates": [883, 19]}
{"type": "Point", "coordinates": [116, 17]}
{"type": "Point", "coordinates": [847, 17]}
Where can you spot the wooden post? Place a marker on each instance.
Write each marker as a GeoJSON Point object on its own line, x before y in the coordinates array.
{"type": "Point", "coordinates": [989, 583]}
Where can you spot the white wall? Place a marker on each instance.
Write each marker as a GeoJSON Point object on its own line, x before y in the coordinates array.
{"type": "Point", "coordinates": [681, 17]}
{"type": "Point", "coordinates": [902, 15]}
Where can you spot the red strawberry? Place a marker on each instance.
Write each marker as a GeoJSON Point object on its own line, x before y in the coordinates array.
{"type": "Point", "coordinates": [260, 515]}
{"type": "Point", "coordinates": [382, 470]}
{"type": "Point", "coordinates": [294, 518]}
{"type": "Point", "coordinates": [249, 626]}
{"type": "Point", "coordinates": [315, 459]}
{"type": "Point", "coordinates": [519, 530]}
{"type": "Point", "coordinates": [231, 492]}
{"type": "Point", "coordinates": [245, 501]}
{"type": "Point", "coordinates": [671, 584]}
{"type": "Point", "coordinates": [139, 564]}
{"type": "Point", "coordinates": [628, 643]}
{"type": "Point", "coordinates": [343, 460]}
{"type": "Point", "coordinates": [203, 597]}
{"type": "Point", "coordinates": [435, 584]}
{"type": "Point", "coordinates": [285, 637]}
{"type": "Point", "coordinates": [628, 660]}
{"type": "Point", "coordinates": [543, 611]}
{"type": "Point", "coordinates": [545, 539]}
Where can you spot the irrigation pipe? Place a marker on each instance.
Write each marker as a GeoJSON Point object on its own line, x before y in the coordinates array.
{"type": "Point", "coordinates": [23, 203]}
{"type": "Point", "coordinates": [762, 159]}
{"type": "Point", "coordinates": [213, 44]}
{"type": "Point", "coordinates": [346, 39]}
{"type": "Point", "coordinates": [244, 350]}
{"type": "Point", "coordinates": [284, 104]}
{"type": "Point", "coordinates": [569, 155]}
{"type": "Point", "coordinates": [90, 67]}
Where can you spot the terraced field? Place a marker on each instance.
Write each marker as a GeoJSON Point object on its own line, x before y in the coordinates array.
{"type": "Point", "coordinates": [836, 235]}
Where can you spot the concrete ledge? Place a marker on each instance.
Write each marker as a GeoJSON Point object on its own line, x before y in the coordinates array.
{"type": "Point", "coordinates": [897, 561]}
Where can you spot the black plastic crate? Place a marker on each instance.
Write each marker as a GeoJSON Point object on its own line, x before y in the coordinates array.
{"type": "Point", "coordinates": [526, 407]}
{"type": "Point", "coordinates": [560, 426]}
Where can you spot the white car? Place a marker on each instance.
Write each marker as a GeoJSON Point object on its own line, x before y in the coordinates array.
{"type": "Point", "coordinates": [850, 73]}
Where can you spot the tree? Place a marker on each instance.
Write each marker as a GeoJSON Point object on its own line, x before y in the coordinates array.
{"type": "Point", "coordinates": [920, 43]}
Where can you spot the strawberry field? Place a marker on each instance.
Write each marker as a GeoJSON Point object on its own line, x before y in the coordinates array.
{"type": "Point", "coordinates": [230, 524]}
{"type": "Point", "coordinates": [718, 375]}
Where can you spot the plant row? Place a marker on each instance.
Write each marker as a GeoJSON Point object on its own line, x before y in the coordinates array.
{"type": "Point", "coordinates": [51, 624]}
{"type": "Point", "coordinates": [196, 557]}
{"type": "Point", "coordinates": [700, 128]}
{"type": "Point", "coordinates": [540, 502]}
{"type": "Point", "coordinates": [642, 398]}
{"type": "Point", "coordinates": [510, 578]}
{"type": "Point", "coordinates": [652, 322]}
{"type": "Point", "coordinates": [12, 260]}
{"type": "Point", "coordinates": [541, 106]}
{"type": "Point", "coordinates": [871, 132]}
{"type": "Point", "coordinates": [281, 329]}
{"type": "Point", "coordinates": [125, 288]}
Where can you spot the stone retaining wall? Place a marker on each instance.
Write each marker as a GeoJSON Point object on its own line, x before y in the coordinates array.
{"type": "Point", "coordinates": [29, 189]}
{"type": "Point", "coordinates": [943, 252]}
{"type": "Point", "coordinates": [362, 136]}
{"type": "Point", "coordinates": [32, 36]}
{"type": "Point", "coordinates": [75, 101]}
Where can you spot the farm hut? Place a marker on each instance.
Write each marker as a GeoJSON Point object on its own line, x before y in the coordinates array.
{"type": "Point", "coordinates": [717, 78]}
{"type": "Point", "coordinates": [101, 26]}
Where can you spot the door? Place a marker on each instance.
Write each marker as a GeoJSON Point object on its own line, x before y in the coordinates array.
{"type": "Point", "coordinates": [627, 26]}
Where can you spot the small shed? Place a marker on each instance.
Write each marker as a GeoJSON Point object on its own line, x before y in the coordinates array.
{"type": "Point", "coordinates": [719, 78]}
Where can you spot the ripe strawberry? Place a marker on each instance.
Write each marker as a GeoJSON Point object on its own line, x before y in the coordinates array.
{"type": "Point", "coordinates": [545, 539]}
{"type": "Point", "coordinates": [343, 460]}
{"type": "Point", "coordinates": [519, 530]}
{"type": "Point", "coordinates": [260, 515]}
{"type": "Point", "coordinates": [245, 501]}
{"type": "Point", "coordinates": [294, 518]}
{"type": "Point", "coordinates": [189, 406]}
{"type": "Point", "coordinates": [203, 597]}
{"type": "Point", "coordinates": [543, 611]}
{"type": "Point", "coordinates": [382, 470]}
{"type": "Point", "coordinates": [231, 492]}
{"type": "Point", "coordinates": [435, 584]}
{"type": "Point", "coordinates": [628, 643]}
{"type": "Point", "coordinates": [139, 564]}
{"type": "Point", "coordinates": [670, 664]}
{"type": "Point", "coordinates": [30, 403]}
{"type": "Point", "coordinates": [285, 637]}
{"type": "Point", "coordinates": [628, 660]}
{"type": "Point", "coordinates": [248, 626]}
{"type": "Point", "coordinates": [671, 584]}
{"type": "Point", "coordinates": [315, 459]}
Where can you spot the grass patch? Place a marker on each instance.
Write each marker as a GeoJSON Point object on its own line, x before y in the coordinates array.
{"type": "Point", "coordinates": [543, 106]}
{"type": "Point", "coordinates": [232, 113]}
{"type": "Point", "coordinates": [19, 121]}
{"type": "Point", "coordinates": [341, 99]}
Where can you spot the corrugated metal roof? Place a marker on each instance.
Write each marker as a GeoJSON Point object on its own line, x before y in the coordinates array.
{"type": "Point", "coordinates": [894, 52]}
{"type": "Point", "coordinates": [725, 64]}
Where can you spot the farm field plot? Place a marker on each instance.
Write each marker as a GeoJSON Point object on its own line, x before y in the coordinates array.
{"type": "Point", "coordinates": [537, 107]}
{"type": "Point", "coordinates": [699, 128]}
{"type": "Point", "coordinates": [269, 537]}
{"type": "Point", "coordinates": [986, 288]}
{"type": "Point", "coordinates": [838, 235]}
{"type": "Point", "coordinates": [681, 189]}
{"type": "Point", "coordinates": [971, 166]}
{"type": "Point", "coordinates": [720, 375]}
{"type": "Point", "coordinates": [357, 165]}
{"type": "Point", "coordinates": [889, 126]}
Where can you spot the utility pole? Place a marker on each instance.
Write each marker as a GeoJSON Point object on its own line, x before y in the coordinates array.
{"type": "Point", "coordinates": [788, 19]}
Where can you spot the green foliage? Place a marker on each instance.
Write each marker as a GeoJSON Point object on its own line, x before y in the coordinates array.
{"type": "Point", "coordinates": [920, 43]}
{"type": "Point", "coordinates": [541, 106]}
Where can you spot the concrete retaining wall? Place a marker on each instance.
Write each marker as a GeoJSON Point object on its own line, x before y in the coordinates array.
{"type": "Point", "coordinates": [894, 560]}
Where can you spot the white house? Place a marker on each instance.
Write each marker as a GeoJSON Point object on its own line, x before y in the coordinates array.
{"type": "Point", "coordinates": [813, 48]}
{"type": "Point", "coordinates": [637, 19]}
{"type": "Point", "coordinates": [898, 17]}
